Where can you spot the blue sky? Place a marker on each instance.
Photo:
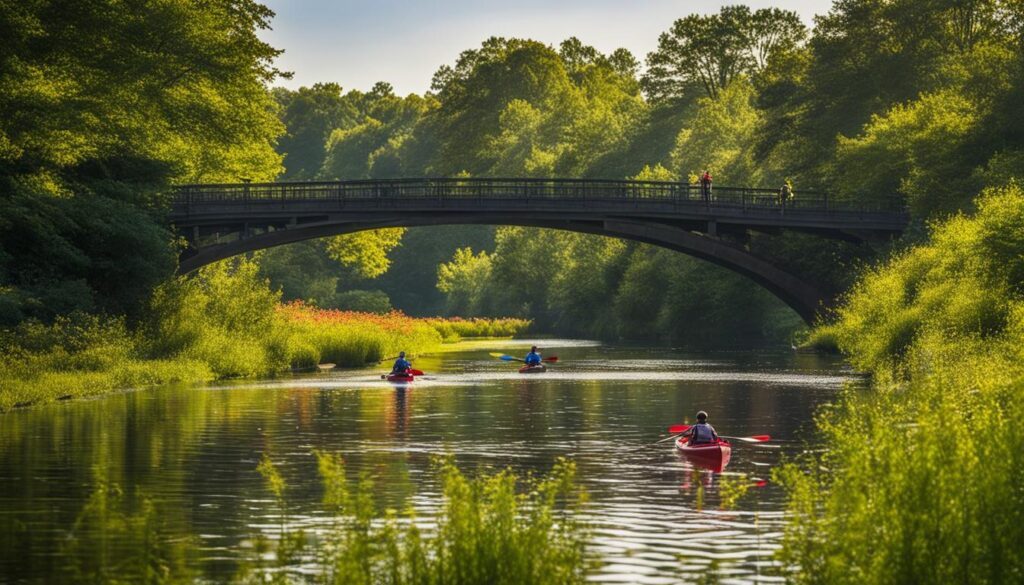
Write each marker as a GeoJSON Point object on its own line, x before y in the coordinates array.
{"type": "Point", "coordinates": [359, 42]}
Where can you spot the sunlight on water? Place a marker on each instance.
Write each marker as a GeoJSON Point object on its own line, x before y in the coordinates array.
{"type": "Point", "coordinates": [656, 515]}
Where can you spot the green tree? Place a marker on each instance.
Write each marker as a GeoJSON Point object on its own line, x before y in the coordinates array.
{"type": "Point", "coordinates": [309, 114]}
{"type": "Point", "coordinates": [464, 282]}
{"type": "Point", "coordinates": [365, 252]}
{"type": "Point", "coordinates": [709, 51]}
{"type": "Point", "coordinates": [367, 146]}
{"type": "Point", "coordinates": [721, 137]}
{"type": "Point", "coordinates": [102, 105]}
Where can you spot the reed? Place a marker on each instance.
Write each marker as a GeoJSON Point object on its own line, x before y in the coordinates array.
{"type": "Point", "coordinates": [225, 322]}
{"type": "Point", "coordinates": [494, 528]}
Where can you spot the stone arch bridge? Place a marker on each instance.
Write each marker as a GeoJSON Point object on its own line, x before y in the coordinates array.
{"type": "Point", "coordinates": [220, 221]}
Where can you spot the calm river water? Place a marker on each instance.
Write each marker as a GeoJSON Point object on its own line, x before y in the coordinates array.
{"type": "Point", "coordinates": [189, 455]}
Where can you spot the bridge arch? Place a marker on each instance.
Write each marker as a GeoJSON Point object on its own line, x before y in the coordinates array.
{"type": "Point", "coordinates": [676, 216]}
{"type": "Point", "coordinates": [803, 297]}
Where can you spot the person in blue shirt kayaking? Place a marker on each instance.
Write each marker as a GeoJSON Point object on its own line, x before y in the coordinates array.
{"type": "Point", "coordinates": [532, 358]}
{"type": "Point", "coordinates": [402, 365]}
{"type": "Point", "coordinates": [701, 433]}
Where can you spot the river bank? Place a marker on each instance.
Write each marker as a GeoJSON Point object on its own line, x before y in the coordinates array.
{"type": "Point", "coordinates": [919, 480]}
{"type": "Point", "coordinates": [224, 323]}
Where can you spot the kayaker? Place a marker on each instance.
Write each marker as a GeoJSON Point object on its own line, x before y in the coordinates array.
{"type": "Point", "coordinates": [701, 432]}
{"type": "Point", "coordinates": [402, 365]}
{"type": "Point", "coordinates": [532, 358]}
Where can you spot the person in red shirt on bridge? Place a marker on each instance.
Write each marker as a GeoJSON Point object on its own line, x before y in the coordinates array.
{"type": "Point", "coordinates": [705, 186]}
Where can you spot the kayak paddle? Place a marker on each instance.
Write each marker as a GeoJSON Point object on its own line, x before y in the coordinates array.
{"type": "Point", "coordinates": [508, 358]}
{"type": "Point", "coordinates": [753, 439]}
{"type": "Point", "coordinates": [678, 430]}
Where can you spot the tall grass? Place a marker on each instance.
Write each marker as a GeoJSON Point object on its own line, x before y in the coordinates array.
{"type": "Point", "coordinates": [921, 478]}
{"type": "Point", "coordinates": [350, 338]}
{"type": "Point", "coordinates": [225, 322]}
{"type": "Point", "coordinates": [81, 355]}
{"type": "Point", "coordinates": [455, 328]}
{"type": "Point", "coordinates": [496, 529]}
{"type": "Point", "coordinates": [117, 538]}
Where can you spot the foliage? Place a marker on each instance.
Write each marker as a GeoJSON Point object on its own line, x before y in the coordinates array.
{"type": "Point", "coordinates": [721, 140]}
{"type": "Point", "coordinates": [464, 281]}
{"type": "Point", "coordinates": [80, 355]}
{"type": "Point", "coordinates": [365, 252]}
{"type": "Point", "coordinates": [224, 322]}
{"type": "Point", "coordinates": [348, 338]}
{"type": "Point", "coordinates": [101, 107]}
{"type": "Point", "coordinates": [595, 286]}
{"type": "Point", "coordinates": [309, 115]}
{"type": "Point", "coordinates": [371, 141]}
{"type": "Point", "coordinates": [488, 530]}
{"type": "Point", "coordinates": [224, 317]}
{"type": "Point", "coordinates": [934, 494]}
{"type": "Point", "coordinates": [365, 301]}
{"type": "Point", "coordinates": [94, 550]}
{"type": "Point", "coordinates": [915, 150]}
{"type": "Point", "coordinates": [455, 328]}
{"type": "Point", "coordinates": [711, 51]}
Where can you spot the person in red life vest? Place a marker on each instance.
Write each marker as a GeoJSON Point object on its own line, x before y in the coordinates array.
{"type": "Point", "coordinates": [701, 433]}
{"type": "Point", "coordinates": [705, 186]}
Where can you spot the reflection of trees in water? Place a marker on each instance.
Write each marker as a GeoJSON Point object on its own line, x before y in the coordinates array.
{"type": "Point", "coordinates": [119, 537]}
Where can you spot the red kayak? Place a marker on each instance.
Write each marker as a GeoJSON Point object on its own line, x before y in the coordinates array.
{"type": "Point", "coordinates": [713, 456]}
{"type": "Point", "coordinates": [400, 378]}
{"type": "Point", "coordinates": [538, 369]}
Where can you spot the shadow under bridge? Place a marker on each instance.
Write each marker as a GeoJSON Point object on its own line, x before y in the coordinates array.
{"type": "Point", "coordinates": [223, 220]}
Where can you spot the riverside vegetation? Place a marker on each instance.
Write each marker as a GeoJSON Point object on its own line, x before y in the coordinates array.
{"type": "Point", "coordinates": [920, 479]}
{"type": "Point", "coordinates": [225, 322]}
{"type": "Point", "coordinates": [493, 528]}
{"type": "Point", "coordinates": [882, 97]}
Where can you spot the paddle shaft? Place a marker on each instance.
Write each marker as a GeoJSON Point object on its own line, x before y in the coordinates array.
{"type": "Point", "coordinates": [753, 439]}
{"type": "Point", "coordinates": [508, 358]}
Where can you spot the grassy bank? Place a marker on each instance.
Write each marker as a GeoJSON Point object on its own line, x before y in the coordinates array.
{"type": "Point", "coordinates": [225, 322]}
{"type": "Point", "coordinates": [920, 478]}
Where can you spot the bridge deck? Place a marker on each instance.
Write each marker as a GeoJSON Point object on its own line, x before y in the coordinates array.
{"type": "Point", "coordinates": [494, 198]}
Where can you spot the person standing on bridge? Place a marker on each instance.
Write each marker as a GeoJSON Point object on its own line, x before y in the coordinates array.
{"type": "Point", "coordinates": [402, 365]}
{"type": "Point", "coordinates": [785, 193]}
{"type": "Point", "coordinates": [705, 186]}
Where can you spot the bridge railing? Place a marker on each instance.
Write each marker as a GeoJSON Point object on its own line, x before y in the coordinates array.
{"type": "Point", "coordinates": [584, 190]}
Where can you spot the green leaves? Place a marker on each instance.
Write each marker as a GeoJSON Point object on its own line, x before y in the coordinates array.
{"type": "Point", "coordinates": [365, 252]}
{"type": "Point", "coordinates": [710, 51]}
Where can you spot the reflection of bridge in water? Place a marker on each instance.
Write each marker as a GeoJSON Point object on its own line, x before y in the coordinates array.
{"type": "Point", "coordinates": [220, 221]}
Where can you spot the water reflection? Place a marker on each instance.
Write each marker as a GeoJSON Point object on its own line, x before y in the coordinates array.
{"type": "Point", "coordinates": [191, 453]}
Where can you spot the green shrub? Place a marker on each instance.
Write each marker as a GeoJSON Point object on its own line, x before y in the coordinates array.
{"type": "Point", "coordinates": [919, 480]}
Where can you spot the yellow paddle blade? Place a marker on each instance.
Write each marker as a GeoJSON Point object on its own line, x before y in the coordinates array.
{"type": "Point", "coordinates": [496, 354]}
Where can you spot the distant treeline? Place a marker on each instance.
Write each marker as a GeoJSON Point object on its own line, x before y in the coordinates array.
{"type": "Point", "coordinates": [880, 98]}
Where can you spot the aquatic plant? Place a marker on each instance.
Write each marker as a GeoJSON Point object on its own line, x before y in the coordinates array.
{"type": "Point", "coordinates": [495, 528]}
{"type": "Point", "coordinates": [116, 539]}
